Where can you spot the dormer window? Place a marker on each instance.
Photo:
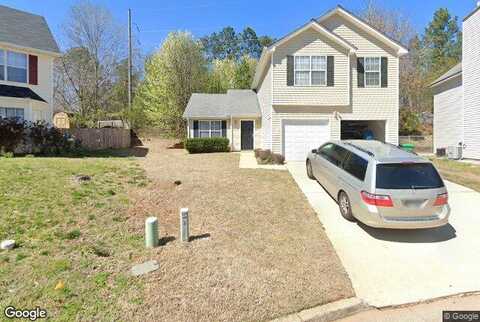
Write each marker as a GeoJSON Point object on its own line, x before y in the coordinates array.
{"type": "Point", "coordinates": [310, 70]}
{"type": "Point", "coordinates": [16, 67]}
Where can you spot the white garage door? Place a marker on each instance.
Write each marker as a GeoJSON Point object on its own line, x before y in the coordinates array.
{"type": "Point", "coordinates": [301, 136]}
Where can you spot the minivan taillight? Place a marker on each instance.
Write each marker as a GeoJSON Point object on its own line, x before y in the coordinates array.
{"type": "Point", "coordinates": [442, 199]}
{"type": "Point", "coordinates": [376, 200]}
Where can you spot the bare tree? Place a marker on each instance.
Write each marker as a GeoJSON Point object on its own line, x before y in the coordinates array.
{"type": "Point", "coordinates": [87, 69]}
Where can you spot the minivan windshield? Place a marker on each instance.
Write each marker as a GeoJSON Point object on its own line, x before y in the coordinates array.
{"type": "Point", "coordinates": [408, 176]}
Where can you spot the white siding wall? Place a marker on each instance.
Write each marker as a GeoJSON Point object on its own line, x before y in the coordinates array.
{"type": "Point", "coordinates": [471, 81]}
{"type": "Point", "coordinates": [235, 140]}
{"type": "Point", "coordinates": [371, 103]}
{"type": "Point", "coordinates": [264, 95]}
{"type": "Point", "coordinates": [44, 88]}
{"type": "Point", "coordinates": [448, 114]}
{"type": "Point", "coordinates": [310, 42]}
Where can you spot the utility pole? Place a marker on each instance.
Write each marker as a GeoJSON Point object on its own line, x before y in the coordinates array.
{"type": "Point", "coordinates": [129, 59]}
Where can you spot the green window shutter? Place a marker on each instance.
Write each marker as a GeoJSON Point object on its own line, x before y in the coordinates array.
{"type": "Point", "coordinates": [384, 69]}
{"type": "Point", "coordinates": [290, 71]}
{"type": "Point", "coordinates": [330, 71]}
{"type": "Point", "coordinates": [224, 129]}
{"type": "Point", "coordinates": [195, 129]}
{"type": "Point", "coordinates": [360, 72]}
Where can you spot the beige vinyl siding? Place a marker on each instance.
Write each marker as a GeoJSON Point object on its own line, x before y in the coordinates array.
{"type": "Point", "coordinates": [299, 113]}
{"type": "Point", "coordinates": [44, 88]}
{"type": "Point", "coordinates": [310, 43]}
{"type": "Point", "coordinates": [264, 95]}
{"type": "Point", "coordinates": [448, 114]}
{"type": "Point", "coordinates": [471, 85]}
{"type": "Point", "coordinates": [370, 103]}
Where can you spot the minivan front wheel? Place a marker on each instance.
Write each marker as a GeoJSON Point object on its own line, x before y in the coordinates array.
{"type": "Point", "coordinates": [345, 206]}
{"type": "Point", "coordinates": [309, 170]}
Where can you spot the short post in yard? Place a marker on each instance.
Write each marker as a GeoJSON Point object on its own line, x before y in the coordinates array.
{"type": "Point", "coordinates": [151, 232]}
{"type": "Point", "coordinates": [184, 228]}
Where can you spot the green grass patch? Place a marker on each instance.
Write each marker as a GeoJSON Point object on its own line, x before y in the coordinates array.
{"type": "Point", "coordinates": [70, 232]}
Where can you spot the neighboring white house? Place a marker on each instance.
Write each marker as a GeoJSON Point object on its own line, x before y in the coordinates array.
{"type": "Point", "coordinates": [27, 53]}
{"type": "Point", "coordinates": [456, 102]}
{"type": "Point", "coordinates": [336, 77]}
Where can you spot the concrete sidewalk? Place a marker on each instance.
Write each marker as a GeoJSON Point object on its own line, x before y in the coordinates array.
{"type": "Point", "coordinates": [423, 312]}
{"type": "Point", "coordinates": [393, 267]}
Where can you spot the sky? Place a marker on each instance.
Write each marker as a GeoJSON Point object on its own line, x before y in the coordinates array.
{"type": "Point", "coordinates": [153, 19]}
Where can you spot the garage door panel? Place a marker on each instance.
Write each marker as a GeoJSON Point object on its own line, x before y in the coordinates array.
{"type": "Point", "coordinates": [301, 136]}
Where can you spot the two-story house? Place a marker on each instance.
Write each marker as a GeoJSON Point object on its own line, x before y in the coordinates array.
{"type": "Point", "coordinates": [456, 100]}
{"type": "Point", "coordinates": [27, 53]}
{"type": "Point", "coordinates": [336, 77]}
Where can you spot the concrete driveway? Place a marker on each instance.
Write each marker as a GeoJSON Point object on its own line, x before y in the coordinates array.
{"type": "Point", "coordinates": [392, 267]}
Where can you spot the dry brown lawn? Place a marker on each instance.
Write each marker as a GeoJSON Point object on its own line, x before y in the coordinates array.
{"type": "Point", "coordinates": [265, 253]}
{"type": "Point", "coordinates": [459, 172]}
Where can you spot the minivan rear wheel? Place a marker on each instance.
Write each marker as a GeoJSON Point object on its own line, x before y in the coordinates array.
{"type": "Point", "coordinates": [345, 206]}
{"type": "Point", "coordinates": [309, 170]}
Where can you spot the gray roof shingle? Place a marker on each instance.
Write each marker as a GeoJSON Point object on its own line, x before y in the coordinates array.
{"type": "Point", "coordinates": [26, 30]}
{"type": "Point", "coordinates": [457, 69]}
{"type": "Point", "coordinates": [235, 103]}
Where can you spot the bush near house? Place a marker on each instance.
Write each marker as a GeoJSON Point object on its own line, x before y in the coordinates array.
{"type": "Point", "coordinates": [207, 145]}
{"type": "Point", "coordinates": [34, 137]}
{"type": "Point", "coordinates": [267, 157]}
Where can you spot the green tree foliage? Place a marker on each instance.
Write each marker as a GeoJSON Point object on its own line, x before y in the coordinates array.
{"type": "Point", "coordinates": [442, 42]}
{"type": "Point", "coordinates": [171, 76]}
{"type": "Point", "coordinates": [228, 44]}
{"type": "Point", "coordinates": [409, 122]}
{"type": "Point", "coordinates": [244, 73]}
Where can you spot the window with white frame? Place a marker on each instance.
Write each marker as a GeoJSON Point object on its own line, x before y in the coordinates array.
{"type": "Point", "coordinates": [2, 64]}
{"type": "Point", "coordinates": [16, 67]}
{"type": "Point", "coordinates": [310, 70]}
{"type": "Point", "coordinates": [209, 129]}
{"type": "Point", "coordinates": [372, 71]}
{"type": "Point", "coordinates": [16, 113]}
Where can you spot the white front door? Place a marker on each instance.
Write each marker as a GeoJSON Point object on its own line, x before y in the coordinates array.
{"type": "Point", "coordinates": [301, 136]}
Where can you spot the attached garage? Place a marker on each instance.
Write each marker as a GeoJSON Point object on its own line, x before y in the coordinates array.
{"type": "Point", "coordinates": [301, 136]}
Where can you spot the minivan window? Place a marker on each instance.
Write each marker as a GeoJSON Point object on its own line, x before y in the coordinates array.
{"type": "Point", "coordinates": [333, 153]}
{"type": "Point", "coordinates": [356, 166]}
{"type": "Point", "coordinates": [408, 176]}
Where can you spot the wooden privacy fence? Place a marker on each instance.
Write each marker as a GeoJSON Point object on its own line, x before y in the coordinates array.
{"type": "Point", "coordinates": [100, 139]}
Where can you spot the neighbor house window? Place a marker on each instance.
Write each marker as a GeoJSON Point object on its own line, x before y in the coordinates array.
{"type": "Point", "coordinates": [372, 71]}
{"type": "Point", "coordinates": [207, 129]}
{"type": "Point", "coordinates": [310, 70]}
{"type": "Point", "coordinates": [16, 113]}
{"type": "Point", "coordinates": [2, 65]}
{"type": "Point", "coordinates": [16, 67]}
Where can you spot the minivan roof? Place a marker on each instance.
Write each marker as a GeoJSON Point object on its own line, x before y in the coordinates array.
{"type": "Point", "coordinates": [380, 151]}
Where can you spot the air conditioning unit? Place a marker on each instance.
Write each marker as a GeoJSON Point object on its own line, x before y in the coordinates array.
{"type": "Point", "coordinates": [454, 152]}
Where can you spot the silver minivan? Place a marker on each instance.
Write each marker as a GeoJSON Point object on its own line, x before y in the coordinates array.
{"type": "Point", "coordinates": [380, 184]}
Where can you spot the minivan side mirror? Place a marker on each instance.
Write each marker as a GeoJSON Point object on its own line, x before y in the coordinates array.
{"type": "Point", "coordinates": [314, 151]}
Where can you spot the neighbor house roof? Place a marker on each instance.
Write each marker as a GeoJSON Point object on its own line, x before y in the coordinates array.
{"type": "Point", "coordinates": [477, 8]}
{"type": "Point", "coordinates": [235, 103]}
{"type": "Point", "coordinates": [26, 30]}
{"type": "Point", "coordinates": [317, 25]}
{"type": "Point", "coordinates": [454, 71]}
{"type": "Point", "coordinates": [19, 92]}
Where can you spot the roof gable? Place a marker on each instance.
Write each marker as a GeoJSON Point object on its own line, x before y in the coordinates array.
{"type": "Point", "coordinates": [26, 30]}
{"type": "Point", "coordinates": [313, 24]}
{"type": "Point", "coordinates": [360, 23]}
